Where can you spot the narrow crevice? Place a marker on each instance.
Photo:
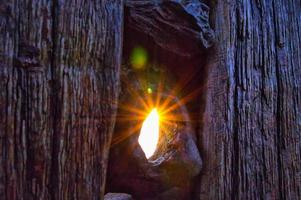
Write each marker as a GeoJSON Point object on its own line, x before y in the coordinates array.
{"type": "Point", "coordinates": [278, 110]}
{"type": "Point", "coordinates": [55, 109]}
{"type": "Point", "coordinates": [263, 102]}
{"type": "Point", "coordinates": [235, 157]}
{"type": "Point", "coordinates": [279, 139]}
{"type": "Point", "coordinates": [199, 119]}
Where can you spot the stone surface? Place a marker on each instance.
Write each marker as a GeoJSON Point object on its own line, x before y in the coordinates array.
{"type": "Point", "coordinates": [176, 25]}
{"type": "Point", "coordinates": [117, 196]}
{"type": "Point", "coordinates": [177, 159]}
{"type": "Point", "coordinates": [175, 163]}
{"type": "Point", "coordinates": [175, 193]}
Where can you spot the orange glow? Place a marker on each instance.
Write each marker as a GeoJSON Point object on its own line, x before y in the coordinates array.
{"type": "Point", "coordinates": [164, 104]}
{"type": "Point", "coordinates": [149, 134]}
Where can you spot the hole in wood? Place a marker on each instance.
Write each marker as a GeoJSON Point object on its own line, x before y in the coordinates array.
{"type": "Point", "coordinates": [163, 68]}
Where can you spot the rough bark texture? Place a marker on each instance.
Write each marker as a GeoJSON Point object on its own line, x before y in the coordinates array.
{"type": "Point", "coordinates": [59, 67]}
{"type": "Point", "coordinates": [251, 141]}
{"type": "Point", "coordinates": [59, 79]}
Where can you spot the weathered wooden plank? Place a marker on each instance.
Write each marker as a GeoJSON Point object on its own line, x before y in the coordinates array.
{"type": "Point", "coordinates": [25, 134]}
{"type": "Point", "coordinates": [88, 44]}
{"type": "Point", "coordinates": [251, 138]}
{"type": "Point", "coordinates": [58, 92]}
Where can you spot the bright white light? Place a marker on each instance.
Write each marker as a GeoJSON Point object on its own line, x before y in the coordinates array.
{"type": "Point", "coordinates": [149, 134]}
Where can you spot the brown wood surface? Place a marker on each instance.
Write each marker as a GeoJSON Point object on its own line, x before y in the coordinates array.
{"type": "Point", "coordinates": [59, 82]}
{"type": "Point", "coordinates": [251, 140]}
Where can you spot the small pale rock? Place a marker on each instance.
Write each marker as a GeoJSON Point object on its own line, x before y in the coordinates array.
{"type": "Point", "coordinates": [118, 196]}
